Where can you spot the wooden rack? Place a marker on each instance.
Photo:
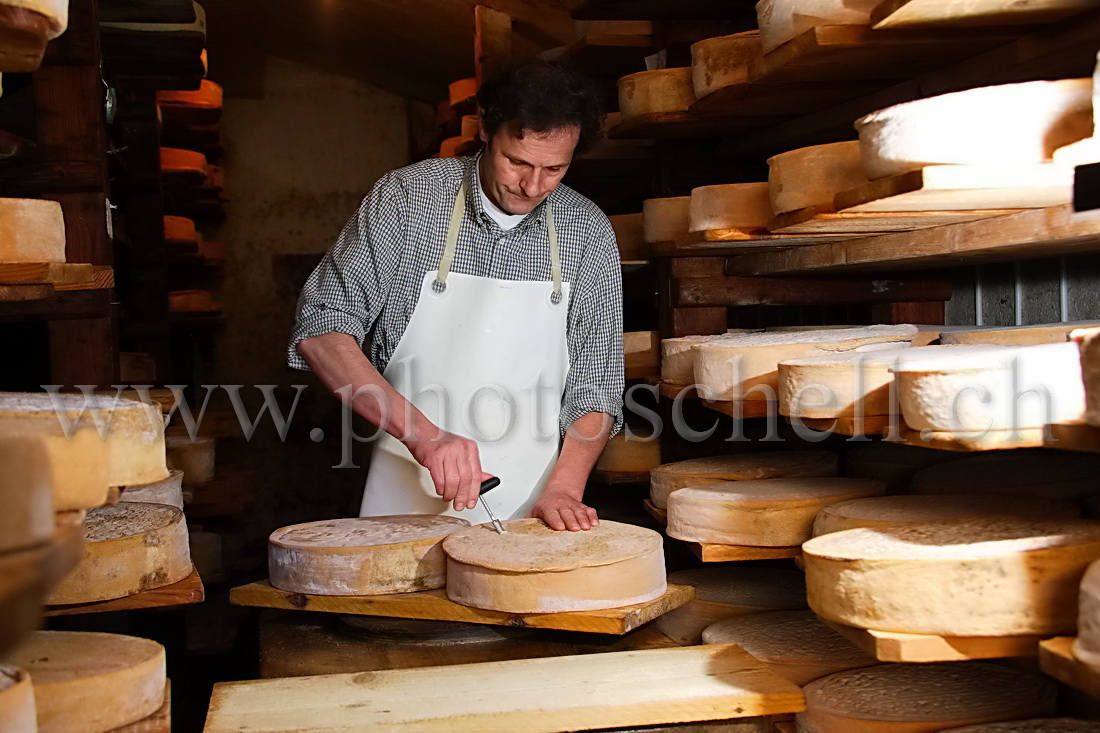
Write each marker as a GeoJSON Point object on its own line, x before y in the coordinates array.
{"type": "Point", "coordinates": [187, 591]}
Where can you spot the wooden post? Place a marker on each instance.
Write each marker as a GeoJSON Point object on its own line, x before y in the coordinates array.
{"type": "Point", "coordinates": [687, 321]}
{"type": "Point", "coordinates": [492, 41]}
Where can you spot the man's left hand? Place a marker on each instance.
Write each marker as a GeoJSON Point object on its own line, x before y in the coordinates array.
{"type": "Point", "coordinates": [561, 511]}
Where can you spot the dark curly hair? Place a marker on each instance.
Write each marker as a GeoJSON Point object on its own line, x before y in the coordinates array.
{"type": "Point", "coordinates": [541, 96]}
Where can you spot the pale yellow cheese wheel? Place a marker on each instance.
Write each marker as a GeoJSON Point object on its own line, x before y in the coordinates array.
{"type": "Point", "coordinates": [665, 479]}
{"type": "Point", "coordinates": [17, 711]}
{"type": "Point", "coordinates": [1063, 476]}
{"type": "Point", "coordinates": [169, 491]}
{"type": "Point", "coordinates": [729, 206]}
{"type": "Point", "coordinates": [90, 682]}
{"type": "Point", "coordinates": [78, 466]}
{"type": "Point", "coordinates": [630, 236]}
{"type": "Point", "coordinates": [1003, 576]}
{"type": "Point", "coordinates": [461, 90]}
{"type": "Point", "coordinates": [640, 350]}
{"type": "Point", "coordinates": [651, 92]}
{"type": "Point", "coordinates": [531, 568]}
{"type": "Point", "coordinates": [665, 220]}
{"type": "Point", "coordinates": [813, 176]}
{"type": "Point", "coordinates": [361, 556]}
{"type": "Point", "coordinates": [26, 493]}
{"type": "Point", "coordinates": [449, 147]}
{"type": "Point", "coordinates": [1088, 340]}
{"type": "Point", "coordinates": [128, 548]}
{"type": "Point", "coordinates": [1043, 333]}
{"type": "Point", "coordinates": [194, 457]}
{"type": "Point", "coordinates": [1087, 645]}
{"type": "Point", "coordinates": [723, 61]}
{"type": "Point", "coordinates": [839, 385]}
{"type": "Point", "coordinates": [678, 357]}
{"type": "Point", "coordinates": [470, 126]}
{"type": "Point", "coordinates": [180, 229]}
{"type": "Point", "coordinates": [31, 230]}
{"type": "Point", "coordinates": [922, 698]}
{"type": "Point", "coordinates": [176, 160]}
{"type": "Point", "coordinates": [636, 453]}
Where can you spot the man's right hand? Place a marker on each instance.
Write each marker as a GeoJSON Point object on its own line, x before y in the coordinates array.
{"type": "Point", "coordinates": [455, 465]}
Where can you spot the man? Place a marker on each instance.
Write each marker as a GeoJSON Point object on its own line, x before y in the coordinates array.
{"type": "Point", "coordinates": [490, 301]}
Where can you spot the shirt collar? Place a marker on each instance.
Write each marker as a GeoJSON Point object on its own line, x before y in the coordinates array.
{"type": "Point", "coordinates": [474, 204]}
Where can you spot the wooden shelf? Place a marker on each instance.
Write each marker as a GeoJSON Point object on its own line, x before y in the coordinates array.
{"type": "Point", "coordinates": [852, 426]}
{"type": "Point", "coordinates": [974, 442]}
{"type": "Point", "coordinates": [936, 14]}
{"type": "Point", "coordinates": [616, 478]}
{"type": "Point", "coordinates": [745, 409]}
{"type": "Point", "coordinates": [1074, 436]}
{"type": "Point", "coordinates": [726, 242]}
{"type": "Point", "coordinates": [1056, 659]}
{"type": "Point", "coordinates": [605, 54]}
{"type": "Point", "coordinates": [52, 305]}
{"type": "Point", "coordinates": [890, 646]}
{"type": "Point", "coordinates": [434, 604]}
{"type": "Point", "coordinates": [187, 591]}
{"type": "Point", "coordinates": [867, 223]}
{"type": "Point", "coordinates": [662, 9]}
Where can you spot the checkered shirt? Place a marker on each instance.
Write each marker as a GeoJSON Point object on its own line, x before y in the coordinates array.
{"type": "Point", "coordinates": [368, 283]}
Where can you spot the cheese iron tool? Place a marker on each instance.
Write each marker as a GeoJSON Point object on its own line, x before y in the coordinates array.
{"type": "Point", "coordinates": [487, 485]}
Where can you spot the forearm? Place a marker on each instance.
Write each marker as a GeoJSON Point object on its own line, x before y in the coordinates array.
{"type": "Point", "coordinates": [583, 443]}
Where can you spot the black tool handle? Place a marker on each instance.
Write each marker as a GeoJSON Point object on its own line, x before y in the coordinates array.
{"type": "Point", "coordinates": [488, 484]}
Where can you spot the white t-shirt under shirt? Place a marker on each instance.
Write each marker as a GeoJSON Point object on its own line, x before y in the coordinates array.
{"type": "Point", "coordinates": [505, 220]}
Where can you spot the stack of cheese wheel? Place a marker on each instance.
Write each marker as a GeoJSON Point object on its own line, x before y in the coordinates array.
{"type": "Point", "coordinates": [630, 237]}
{"type": "Point", "coordinates": [461, 90]}
{"type": "Point", "coordinates": [1035, 725]}
{"type": "Point", "coordinates": [663, 480]}
{"type": "Point", "coordinates": [746, 366]}
{"type": "Point", "coordinates": [1002, 576]}
{"type": "Point", "coordinates": [31, 231]}
{"type": "Point", "coordinates": [813, 176]}
{"type": "Point", "coordinates": [729, 206]}
{"type": "Point", "coordinates": [977, 389]}
{"type": "Point", "coordinates": [25, 28]}
{"type": "Point", "coordinates": [723, 61]}
{"type": "Point", "coordinates": [727, 591]}
{"type": "Point", "coordinates": [665, 220]}
{"type": "Point", "coordinates": [134, 438]}
{"type": "Point", "coordinates": [1088, 340]}
{"type": "Point", "coordinates": [128, 548]}
{"type": "Point", "coordinates": [796, 645]}
{"type": "Point", "coordinates": [17, 711]}
{"type": "Point", "coordinates": [91, 682]}
{"type": "Point", "coordinates": [640, 351]}
{"type": "Point", "coordinates": [1051, 476]}
{"type": "Point", "coordinates": [782, 20]}
{"type": "Point", "coordinates": [909, 510]}
{"type": "Point", "coordinates": [997, 126]}
{"type": "Point", "coordinates": [839, 385]}
{"type": "Point", "coordinates": [184, 166]}
{"type": "Point", "coordinates": [200, 107]}
{"type": "Point", "coordinates": [1086, 647]}
{"type": "Point", "coordinates": [194, 457]}
{"type": "Point", "coordinates": [920, 698]}
{"type": "Point", "coordinates": [628, 452]}
{"type": "Point", "coordinates": [656, 92]}
{"type": "Point", "coordinates": [768, 513]}
{"type": "Point", "coordinates": [894, 463]}
{"type": "Point", "coordinates": [361, 557]}
{"type": "Point", "coordinates": [531, 568]}
{"type": "Point", "coordinates": [1042, 333]}
{"type": "Point", "coordinates": [168, 492]}
{"type": "Point", "coordinates": [678, 357]}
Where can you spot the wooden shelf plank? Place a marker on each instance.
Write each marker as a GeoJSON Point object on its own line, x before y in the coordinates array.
{"type": "Point", "coordinates": [616, 478]}
{"type": "Point", "coordinates": [974, 442]}
{"type": "Point", "coordinates": [185, 592]}
{"type": "Point", "coordinates": [663, 9]}
{"type": "Point", "coordinates": [434, 604]}
{"type": "Point", "coordinates": [20, 293]}
{"type": "Point", "coordinates": [819, 220]}
{"type": "Point", "coordinates": [103, 278]}
{"type": "Point", "coordinates": [1074, 436]}
{"type": "Point", "coordinates": [1056, 659]}
{"type": "Point", "coordinates": [592, 691]}
{"type": "Point", "coordinates": [58, 306]}
{"type": "Point", "coordinates": [745, 409]}
{"type": "Point", "coordinates": [55, 273]}
{"type": "Point", "coordinates": [890, 646]}
{"type": "Point", "coordinates": [654, 511]}
{"type": "Point", "coordinates": [852, 425]}
{"type": "Point", "coordinates": [780, 99]}
{"type": "Point", "coordinates": [726, 242]}
{"type": "Point", "coordinates": [955, 14]}
{"type": "Point", "coordinates": [738, 553]}
{"type": "Point", "coordinates": [605, 54]}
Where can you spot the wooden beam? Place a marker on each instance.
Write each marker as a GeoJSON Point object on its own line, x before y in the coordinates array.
{"type": "Point", "coordinates": [679, 321]}
{"type": "Point", "coordinates": [731, 291]}
{"type": "Point", "coordinates": [967, 13]}
{"type": "Point", "coordinates": [492, 41]}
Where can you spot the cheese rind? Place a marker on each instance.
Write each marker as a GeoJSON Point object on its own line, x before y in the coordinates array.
{"type": "Point", "coordinates": [26, 493]}
{"type": "Point", "coordinates": [630, 236]}
{"type": "Point", "coordinates": [78, 465]}
{"type": "Point", "coordinates": [1052, 476]}
{"type": "Point", "coordinates": [769, 513]}
{"type": "Point", "coordinates": [998, 125]}
{"type": "Point", "coordinates": [729, 206]}
{"type": "Point", "coordinates": [723, 61]}
{"type": "Point", "coordinates": [1042, 333]}
{"type": "Point", "coordinates": [531, 568]}
{"type": "Point", "coordinates": [641, 351]}
{"type": "Point", "coordinates": [1086, 647]}
{"type": "Point", "coordinates": [31, 230]}
{"type": "Point", "coordinates": [813, 176]}
{"type": "Point", "coordinates": [1088, 341]}
{"type": "Point", "coordinates": [194, 457]}
{"type": "Point", "coordinates": [665, 479]}
{"type": "Point", "coordinates": [639, 454]}
{"type": "Point", "coordinates": [781, 20]}
{"type": "Point", "coordinates": [56, 13]}
{"type": "Point", "coordinates": [652, 92]}
{"type": "Point", "coordinates": [678, 357]}
{"type": "Point", "coordinates": [168, 492]}
{"type": "Point", "coordinates": [90, 682]}
{"type": "Point", "coordinates": [461, 90]}
{"type": "Point", "coordinates": [974, 577]}
{"type": "Point", "coordinates": [665, 220]}
{"type": "Point", "coordinates": [17, 711]}
{"type": "Point", "coordinates": [362, 556]}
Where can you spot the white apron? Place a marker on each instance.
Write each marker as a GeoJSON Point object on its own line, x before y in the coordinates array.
{"type": "Point", "coordinates": [485, 359]}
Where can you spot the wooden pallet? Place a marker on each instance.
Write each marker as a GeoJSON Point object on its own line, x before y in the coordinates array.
{"type": "Point", "coordinates": [434, 604]}
{"type": "Point", "coordinates": [890, 646]}
{"type": "Point", "coordinates": [187, 591]}
{"type": "Point", "coordinates": [974, 442]}
{"type": "Point", "coordinates": [1056, 659]}
{"type": "Point", "coordinates": [592, 691]}
{"type": "Point", "coordinates": [967, 13]}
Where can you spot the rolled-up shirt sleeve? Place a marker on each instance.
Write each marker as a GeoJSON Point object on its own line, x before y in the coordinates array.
{"type": "Point", "coordinates": [346, 291]}
{"type": "Point", "coordinates": [596, 379]}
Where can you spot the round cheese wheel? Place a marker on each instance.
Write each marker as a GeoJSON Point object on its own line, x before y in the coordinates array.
{"type": "Point", "coordinates": [769, 513]}
{"type": "Point", "coordinates": [796, 645]}
{"type": "Point", "coordinates": [180, 229]}
{"type": "Point", "coordinates": [531, 568]}
{"type": "Point", "coordinates": [665, 479]}
{"type": "Point", "coordinates": [134, 434]}
{"type": "Point", "coordinates": [31, 230]}
{"type": "Point", "coordinates": [128, 548]}
{"type": "Point", "coordinates": [194, 457]}
{"type": "Point", "coordinates": [470, 128]}
{"type": "Point", "coordinates": [782, 20]}
{"type": "Point", "coordinates": [26, 493]}
{"type": "Point", "coordinates": [637, 454]}
{"type": "Point", "coordinates": [449, 147]}
{"type": "Point", "coordinates": [906, 510]}
{"type": "Point", "coordinates": [724, 591]}
{"type": "Point", "coordinates": [630, 236]}
{"type": "Point", "coordinates": [1043, 333]}
{"type": "Point", "coordinates": [207, 96]}
{"type": "Point", "coordinates": [723, 61]}
{"type": "Point", "coordinates": [729, 206]}
{"type": "Point", "coordinates": [17, 711]}
{"type": "Point", "coordinates": [665, 220]}
{"type": "Point", "coordinates": [1035, 725]}
{"type": "Point", "coordinates": [973, 577]}
{"type": "Point", "coordinates": [176, 160]}
{"type": "Point", "coordinates": [653, 92]}
{"type": "Point", "coordinates": [894, 463]}
{"type": "Point", "coordinates": [1088, 340]}
{"type": "Point", "coordinates": [169, 492]}
{"type": "Point", "coordinates": [91, 683]}
{"type": "Point", "coordinates": [1000, 125]}
{"type": "Point", "coordinates": [1086, 647]}
{"type": "Point", "coordinates": [922, 698]}
{"type": "Point", "coordinates": [813, 176]}
{"type": "Point", "coordinates": [678, 357]}
{"type": "Point", "coordinates": [1051, 476]}
{"type": "Point", "coordinates": [461, 90]}
{"type": "Point", "coordinates": [362, 556]}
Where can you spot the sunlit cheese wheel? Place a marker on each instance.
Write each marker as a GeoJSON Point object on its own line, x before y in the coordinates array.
{"type": "Point", "coordinates": [90, 682]}
{"type": "Point", "coordinates": [168, 492]}
{"type": "Point", "coordinates": [1081, 152]}
{"type": "Point", "coordinates": [531, 568]}
{"type": "Point", "coordinates": [630, 453]}
{"type": "Point", "coordinates": [838, 385]}
{"type": "Point", "coordinates": [922, 698]}
{"type": "Point", "coordinates": [461, 90]}
{"type": "Point", "coordinates": [1043, 333]}
{"type": "Point", "coordinates": [678, 357]}
{"type": "Point", "coordinates": [746, 366]}
{"type": "Point", "coordinates": [652, 92]}
{"type": "Point", "coordinates": [17, 711]}
{"type": "Point", "coordinates": [725, 591]}
{"type": "Point", "coordinates": [361, 557]}
{"type": "Point", "coordinates": [1088, 340]}
{"type": "Point", "coordinates": [991, 389]}
{"type": "Point", "coordinates": [723, 61]}
{"type": "Point", "coordinates": [1003, 576]}
{"type": "Point", "coordinates": [729, 206]}
{"type": "Point", "coordinates": [194, 457]}
{"type": "Point", "coordinates": [1035, 725]}
{"type": "Point", "coordinates": [78, 465]}
{"type": "Point", "coordinates": [665, 479]}
{"type": "Point", "coordinates": [1000, 125]}
{"type": "Point", "coordinates": [1066, 476]}
{"type": "Point", "coordinates": [128, 548]}
{"type": "Point", "coordinates": [26, 27]}
{"type": "Point", "coordinates": [893, 463]}
{"type": "Point", "coordinates": [31, 231]}
{"type": "Point", "coordinates": [813, 176]}
{"type": "Point", "coordinates": [796, 645]}
{"type": "Point", "coordinates": [134, 438]}
{"type": "Point", "coordinates": [907, 510]}
{"type": "Point", "coordinates": [180, 229]}
{"type": "Point", "coordinates": [782, 20]}
{"type": "Point", "coordinates": [630, 236]}
{"type": "Point", "coordinates": [184, 163]}
{"type": "Point", "coordinates": [665, 220]}
{"type": "Point", "coordinates": [641, 351]}
{"type": "Point", "coordinates": [26, 493]}
{"type": "Point", "coordinates": [768, 513]}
